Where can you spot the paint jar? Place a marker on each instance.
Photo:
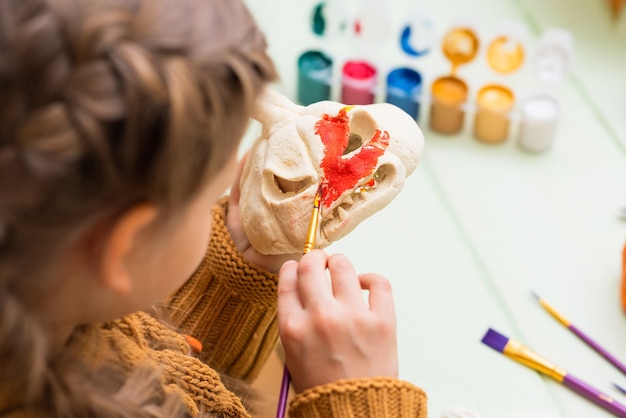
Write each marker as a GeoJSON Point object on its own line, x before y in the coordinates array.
{"type": "Point", "coordinates": [314, 77]}
{"type": "Point", "coordinates": [540, 113]}
{"type": "Point", "coordinates": [358, 83]}
{"type": "Point", "coordinates": [494, 104]}
{"type": "Point", "coordinates": [538, 122]}
{"type": "Point", "coordinates": [449, 93]}
{"type": "Point", "coordinates": [446, 112]}
{"type": "Point", "coordinates": [404, 85]}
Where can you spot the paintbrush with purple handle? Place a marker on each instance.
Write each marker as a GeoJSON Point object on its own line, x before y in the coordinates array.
{"type": "Point", "coordinates": [522, 354]}
{"type": "Point", "coordinates": [584, 337]}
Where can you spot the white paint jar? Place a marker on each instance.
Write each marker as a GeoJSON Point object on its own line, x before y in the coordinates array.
{"type": "Point", "coordinates": [539, 116]}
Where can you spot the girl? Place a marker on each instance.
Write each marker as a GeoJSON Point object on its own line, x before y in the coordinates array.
{"type": "Point", "coordinates": [119, 125]}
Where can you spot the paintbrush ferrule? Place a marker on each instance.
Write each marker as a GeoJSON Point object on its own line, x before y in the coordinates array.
{"type": "Point", "coordinates": [311, 233]}
{"type": "Point", "coordinates": [522, 354]}
{"type": "Point", "coordinates": [556, 314]}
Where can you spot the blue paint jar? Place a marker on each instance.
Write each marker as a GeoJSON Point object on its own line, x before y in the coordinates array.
{"type": "Point", "coordinates": [404, 86]}
{"type": "Point", "coordinates": [314, 77]}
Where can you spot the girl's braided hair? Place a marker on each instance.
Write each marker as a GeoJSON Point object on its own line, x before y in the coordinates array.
{"type": "Point", "coordinates": [105, 104]}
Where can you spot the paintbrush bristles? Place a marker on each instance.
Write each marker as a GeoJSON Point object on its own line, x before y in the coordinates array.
{"type": "Point", "coordinates": [556, 314]}
{"type": "Point", "coordinates": [619, 388]}
{"type": "Point", "coordinates": [517, 351]}
{"type": "Point", "coordinates": [495, 340]}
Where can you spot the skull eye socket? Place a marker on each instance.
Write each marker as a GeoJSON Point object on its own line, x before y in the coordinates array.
{"type": "Point", "coordinates": [291, 186]}
{"type": "Point", "coordinates": [355, 141]}
{"type": "Point", "coordinates": [362, 129]}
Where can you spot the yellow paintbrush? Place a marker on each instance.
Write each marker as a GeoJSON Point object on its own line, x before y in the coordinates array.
{"type": "Point", "coordinates": [311, 233]}
{"type": "Point", "coordinates": [309, 244]}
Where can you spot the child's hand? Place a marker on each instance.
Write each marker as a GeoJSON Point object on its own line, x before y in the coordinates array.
{"type": "Point", "coordinates": [328, 330]}
{"type": "Point", "coordinates": [270, 263]}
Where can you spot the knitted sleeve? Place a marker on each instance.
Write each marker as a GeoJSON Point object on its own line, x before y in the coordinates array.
{"type": "Point", "coordinates": [229, 305]}
{"type": "Point", "coordinates": [375, 397]}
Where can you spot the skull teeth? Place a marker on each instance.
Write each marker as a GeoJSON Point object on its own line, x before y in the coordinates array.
{"type": "Point", "coordinates": [342, 213]}
{"type": "Point", "coordinates": [342, 210]}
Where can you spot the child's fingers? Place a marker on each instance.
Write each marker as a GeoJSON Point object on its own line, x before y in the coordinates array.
{"type": "Point", "coordinates": [345, 281]}
{"type": "Point", "coordinates": [234, 188]}
{"type": "Point", "coordinates": [313, 284]}
{"type": "Point", "coordinates": [380, 295]}
{"type": "Point", "coordinates": [289, 302]}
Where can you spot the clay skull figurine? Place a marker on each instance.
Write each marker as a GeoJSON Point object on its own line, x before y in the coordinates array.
{"type": "Point", "coordinates": [357, 156]}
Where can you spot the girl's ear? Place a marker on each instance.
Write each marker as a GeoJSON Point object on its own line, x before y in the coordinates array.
{"type": "Point", "coordinates": [113, 269]}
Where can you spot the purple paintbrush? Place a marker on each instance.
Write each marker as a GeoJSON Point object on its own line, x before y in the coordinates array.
{"type": "Point", "coordinates": [584, 337]}
{"type": "Point", "coordinates": [522, 354]}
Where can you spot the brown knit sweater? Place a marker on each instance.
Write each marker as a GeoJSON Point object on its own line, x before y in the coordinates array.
{"type": "Point", "coordinates": [230, 305]}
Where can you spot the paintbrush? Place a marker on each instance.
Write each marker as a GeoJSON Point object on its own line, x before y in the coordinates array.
{"type": "Point", "coordinates": [522, 354]}
{"type": "Point", "coordinates": [311, 233]}
{"type": "Point", "coordinates": [619, 388]}
{"type": "Point", "coordinates": [584, 337]}
{"type": "Point", "coordinates": [309, 244]}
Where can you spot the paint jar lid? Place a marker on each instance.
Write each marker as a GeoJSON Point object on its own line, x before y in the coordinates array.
{"type": "Point", "coordinates": [554, 55]}
{"type": "Point", "coordinates": [329, 18]}
{"type": "Point", "coordinates": [460, 45]}
{"type": "Point", "coordinates": [372, 24]}
{"type": "Point", "coordinates": [505, 53]}
{"type": "Point", "coordinates": [418, 35]}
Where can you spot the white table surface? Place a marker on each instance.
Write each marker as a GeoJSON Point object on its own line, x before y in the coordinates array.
{"type": "Point", "coordinates": [477, 227]}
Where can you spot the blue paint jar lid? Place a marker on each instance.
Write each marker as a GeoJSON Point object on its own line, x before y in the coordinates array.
{"type": "Point", "coordinates": [418, 36]}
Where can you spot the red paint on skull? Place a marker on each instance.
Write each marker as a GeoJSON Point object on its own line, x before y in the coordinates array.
{"type": "Point", "coordinates": [341, 173]}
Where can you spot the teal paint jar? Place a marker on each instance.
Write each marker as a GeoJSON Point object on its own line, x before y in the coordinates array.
{"type": "Point", "coordinates": [314, 77]}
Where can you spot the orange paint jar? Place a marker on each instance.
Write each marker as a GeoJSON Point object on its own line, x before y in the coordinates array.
{"type": "Point", "coordinates": [448, 97]}
{"type": "Point", "coordinates": [449, 93]}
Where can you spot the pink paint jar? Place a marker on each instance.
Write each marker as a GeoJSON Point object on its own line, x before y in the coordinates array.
{"type": "Point", "coordinates": [358, 83]}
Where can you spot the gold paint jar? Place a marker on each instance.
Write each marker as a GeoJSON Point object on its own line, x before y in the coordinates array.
{"type": "Point", "coordinates": [494, 104]}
